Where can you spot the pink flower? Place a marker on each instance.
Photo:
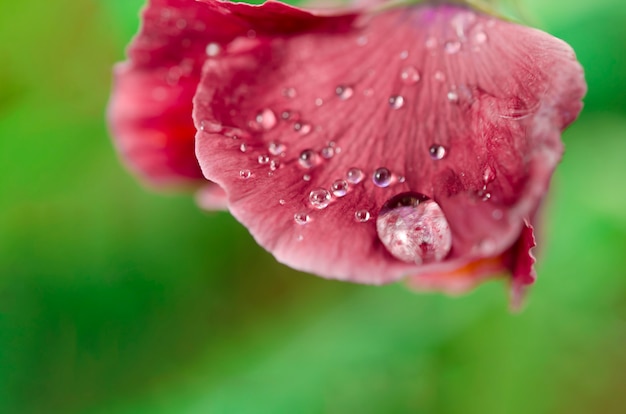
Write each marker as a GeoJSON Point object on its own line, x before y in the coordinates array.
{"type": "Point", "coordinates": [362, 145]}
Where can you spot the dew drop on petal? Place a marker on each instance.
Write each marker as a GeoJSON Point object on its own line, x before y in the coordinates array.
{"type": "Point", "coordinates": [453, 96]}
{"type": "Point", "coordinates": [396, 101]}
{"type": "Point", "coordinates": [414, 229]}
{"type": "Point", "coordinates": [431, 42]}
{"type": "Point", "coordinates": [266, 119]}
{"type": "Point", "coordinates": [344, 92]}
{"type": "Point", "coordinates": [319, 102]}
{"type": "Point", "coordinates": [307, 158]}
{"type": "Point", "coordinates": [452, 47]}
{"type": "Point", "coordinates": [285, 115]}
{"type": "Point", "coordinates": [263, 159]}
{"type": "Point", "coordinates": [361, 40]}
{"type": "Point", "coordinates": [245, 174]}
{"type": "Point", "coordinates": [301, 218]}
{"type": "Point", "coordinates": [339, 188]}
{"type": "Point", "coordinates": [437, 152]}
{"type": "Point", "coordinates": [362, 216]}
{"type": "Point", "coordinates": [355, 175]}
{"type": "Point", "coordinates": [306, 177]}
{"type": "Point", "coordinates": [480, 37]}
{"type": "Point", "coordinates": [409, 75]}
{"type": "Point", "coordinates": [404, 54]}
{"type": "Point", "coordinates": [439, 76]}
{"type": "Point", "coordinates": [319, 198]}
{"type": "Point", "coordinates": [276, 148]}
{"type": "Point", "coordinates": [243, 147]}
{"type": "Point", "coordinates": [382, 177]}
{"type": "Point", "coordinates": [274, 165]}
{"type": "Point", "coordinates": [327, 152]}
{"type": "Point", "coordinates": [289, 92]}
{"type": "Point", "coordinates": [302, 128]}
{"type": "Point", "coordinates": [282, 202]}
{"type": "Point", "coordinates": [213, 49]}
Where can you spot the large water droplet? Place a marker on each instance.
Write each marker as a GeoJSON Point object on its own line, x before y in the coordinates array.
{"type": "Point", "coordinates": [266, 119]}
{"type": "Point", "coordinates": [362, 216]}
{"type": "Point", "coordinates": [409, 75]}
{"type": "Point", "coordinates": [344, 92]}
{"type": "Point", "coordinates": [339, 188]}
{"type": "Point", "coordinates": [396, 101]}
{"type": "Point", "coordinates": [414, 229]}
{"type": "Point", "coordinates": [301, 218]}
{"type": "Point", "coordinates": [213, 49]}
{"type": "Point", "coordinates": [437, 152]}
{"type": "Point", "coordinates": [382, 177]}
{"type": "Point", "coordinates": [319, 198]}
{"type": "Point", "coordinates": [355, 175]}
{"type": "Point", "coordinates": [307, 158]}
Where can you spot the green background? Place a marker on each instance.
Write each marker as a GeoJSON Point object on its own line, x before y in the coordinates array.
{"type": "Point", "coordinates": [114, 299]}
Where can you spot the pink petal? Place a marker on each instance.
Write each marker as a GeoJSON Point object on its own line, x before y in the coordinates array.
{"type": "Point", "coordinates": [459, 107]}
{"type": "Point", "coordinates": [151, 104]}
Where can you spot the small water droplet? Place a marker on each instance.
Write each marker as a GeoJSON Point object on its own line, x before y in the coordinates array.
{"type": "Point", "coordinates": [339, 188]}
{"type": "Point", "coordinates": [344, 92]}
{"type": "Point", "coordinates": [480, 37]}
{"type": "Point", "coordinates": [274, 165]}
{"type": "Point", "coordinates": [210, 126]}
{"type": "Point", "coordinates": [453, 96]}
{"type": "Point", "coordinates": [289, 92]}
{"type": "Point", "coordinates": [243, 147]}
{"type": "Point", "coordinates": [355, 175]}
{"type": "Point", "coordinates": [382, 177]}
{"type": "Point", "coordinates": [266, 119]}
{"type": "Point", "coordinates": [301, 218]}
{"type": "Point", "coordinates": [306, 177]}
{"type": "Point", "coordinates": [497, 214]}
{"type": "Point", "coordinates": [307, 158]}
{"type": "Point", "coordinates": [299, 237]}
{"type": "Point", "coordinates": [452, 47]}
{"type": "Point", "coordinates": [401, 178]}
{"type": "Point", "coordinates": [327, 152]}
{"type": "Point", "coordinates": [245, 174]}
{"type": "Point", "coordinates": [263, 159]}
{"type": "Point", "coordinates": [362, 216]}
{"type": "Point", "coordinates": [251, 34]}
{"type": "Point", "coordinates": [319, 198]}
{"type": "Point", "coordinates": [276, 148]}
{"type": "Point", "coordinates": [409, 75]}
{"type": "Point", "coordinates": [431, 43]}
{"type": "Point", "coordinates": [489, 175]}
{"type": "Point", "coordinates": [302, 128]}
{"type": "Point", "coordinates": [282, 202]}
{"type": "Point", "coordinates": [413, 229]}
{"type": "Point", "coordinates": [396, 101]}
{"type": "Point", "coordinates": [285, 115]}
{"type": "Point", "coordinates": [361, 40]}
{"type": "Point", "coordinates": [319, 102]}
{"type": "Point", "coordinates": [404, 54]}
{"type": "Point", "coordinates": [439, 76]}
{"type": "Point", "coordinates": [437, 152]}
{"type": "Point", "coordinates": [213, 49]}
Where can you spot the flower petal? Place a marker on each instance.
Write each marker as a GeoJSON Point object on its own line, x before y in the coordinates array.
{"type": "Point", "coordinates": [455, 105]}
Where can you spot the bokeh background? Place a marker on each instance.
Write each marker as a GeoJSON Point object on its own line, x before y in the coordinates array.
{"type": "Point", "coordinates": [114, 299]}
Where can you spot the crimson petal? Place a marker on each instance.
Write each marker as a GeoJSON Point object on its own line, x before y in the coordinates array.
{"type": "Point", "coordinates": [436, 100]}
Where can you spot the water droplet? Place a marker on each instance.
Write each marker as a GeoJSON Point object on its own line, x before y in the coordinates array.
{"type": "Point", "coordinates": [497, 214]}
{"type": "Point", "coordinates": [382, 177]}
{"type": "Point", "coordinates": [243, 147]}
{"type": "Point", "coordinates": [404, 54]}
{"type": "Point", "coordinates": [266, 119]}
{"type": "Point", "coordinates": [210, 126]}
{"type": "Point", "coordinates": [439, 76]}
{"type": "Point", "coordinates": [396, 101]}
{"type": "Point", "coordinates": [339, 188]}
{"type": "Point", "coordinates": [453, 96]}
{"type": "Point", "coordinates": [276, 148]}
{"type": "Point", "coordinates": [354, 175]}
{"type": "Point", "coordinates": [414, 229]}
{"type": "Point", "coordinates": [299, 237]}
{"type": "Point", "coordinates": [480, 37]}
{"type": "Point", "coordinates": [263, 159]}
{"type": "Point", "coordinates": [437, 152]}
{"type": "Point", "coordinates": [452, 47]}
{"type": "Point", "coordinates": [319, 102]}
{"type": "Point", "coordinates": [409, 75]}
{"type": "Point", "coordinates": [245, 174]}
{"type": "Point", "coordinates": [289, 92]}
{"type": "Point", "coordinates": [307, 158]}
{"type": "Point", "coordinates": [361, 40]}
{"type": "Point", "coordinates": [213, 49]}
{"type": "Point", "coordinates": [362, 216]}
{"type": "Point", "coordinates": [401, 178]}
{"type": "Point", "coordinates": [285, 115]}
{"type": "Point", "coordinates": [301, 218]}
{"type": "Point", "coordinates": [327, 152]}
{"type": "Point", "coordinates": [274, 165]}
{"type": "Point", "coordinates": [306, 177]}
{"type": "Point", "coordinates": [282, 202]}
{"type": "Point", "coordinates": [489, 175]}
{"type": "Point", "coordinates": [344, 92]}
{"type": "Point", "coordinates": [319, 198]}
{"type": "Point", "coordinates": [302, 128]}
{"type": "Point", "coordinates": [431, 43]}
{"type": "Point", "coordinates": [251, 34]}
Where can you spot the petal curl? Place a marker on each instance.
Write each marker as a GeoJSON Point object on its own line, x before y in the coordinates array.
{"type": "Point", "coordinates": [459, 107]}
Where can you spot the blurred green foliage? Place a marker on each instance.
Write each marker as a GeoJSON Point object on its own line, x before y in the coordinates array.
{"type": "Point", "coordinates": [117, 300]}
